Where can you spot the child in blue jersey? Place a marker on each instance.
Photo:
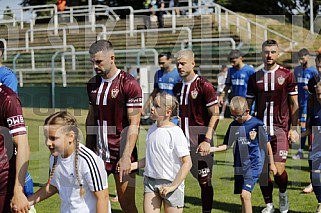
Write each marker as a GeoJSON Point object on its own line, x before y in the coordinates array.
{"type": "Point", "coordinates": [251, 142]}
{"type": "Point", "coordinates": [314, 125]}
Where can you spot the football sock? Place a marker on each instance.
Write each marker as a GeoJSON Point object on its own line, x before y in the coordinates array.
{"type": "Point", "coordinates": [282, 181]}
{"type": "Point", "coordinates": [267, 191]}
{"type": "Point", "coordinates": [303, 139]}
{"type": "Point", "coordinates": [207, 197]}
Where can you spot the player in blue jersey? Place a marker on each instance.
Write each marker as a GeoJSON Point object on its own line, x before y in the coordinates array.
{"type": "Point", "coordinates": [7, 76]}
{"type": "Point", "coordinates": [164, 80]}
{"type": "Point", "coordinates": [238, 75]}
{"type": "Point", "coordinates": [251, 146]}
{"type": "Point", "coordinates": [314, 127]}
{"type": "Point", "coordinates": [303, 73]}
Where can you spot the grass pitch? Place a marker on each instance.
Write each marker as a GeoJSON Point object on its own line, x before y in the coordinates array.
{"type": "Point", "coordinates": [224, 199]}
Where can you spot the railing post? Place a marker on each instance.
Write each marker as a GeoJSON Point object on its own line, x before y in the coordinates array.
{"type": "Point", "coordinates": [131, 22]}
{"type": "Point", "coordinates": [142, 37]}
{"type": "Point", "coordinates": [33, 59]}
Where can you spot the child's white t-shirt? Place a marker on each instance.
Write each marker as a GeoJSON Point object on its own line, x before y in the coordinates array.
{"type": "Point", "coordinates": [164, 148]}
{"type": "Point", "coordinates": [92, 173]}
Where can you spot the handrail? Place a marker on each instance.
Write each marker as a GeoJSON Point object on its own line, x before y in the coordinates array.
{"type": "Point", "coordinates": [189, 32]}
{"type": "Point", "coordinates": [72, 48]}
{"type": "Point", "coordinates": [208, 40]}
{"type": "Point", "coordinates": [63, 28]}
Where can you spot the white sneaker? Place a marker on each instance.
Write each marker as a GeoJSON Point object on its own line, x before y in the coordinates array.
{"type": "Point", "coordinates": [284, 203]}
{"type": "Point", "coordinates": [268, 210]}
{"type": "Point", "coordinates": [318, 209]}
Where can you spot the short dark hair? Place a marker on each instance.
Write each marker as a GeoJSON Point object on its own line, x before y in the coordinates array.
{"type": "Point", "coordinates": [270, 42]}
{"type": "Point", "coordinates": [303, 52]}
{"type": "Point", "coordinates": [100, 45]}
{"type": "Point", "coordinates": [234, 54]}
{"type": "Point", "coordinates": [1, 46]}
{"type": "Point", "coordinates": [168, 55]}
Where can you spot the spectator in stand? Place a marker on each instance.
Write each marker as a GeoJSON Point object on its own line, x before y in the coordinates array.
{"type": "Point", "coordinates": [220, 88]}
{"type": "Point", "coordinates": [160, 4]}
{"type": "Point", "coordinates": [303, 73]}
{"type": "Point", "coordinates": [175, 3]}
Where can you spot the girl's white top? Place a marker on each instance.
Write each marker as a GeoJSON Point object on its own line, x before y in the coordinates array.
{"type": "Point", "coordinates": [164, 148]}
{"type": "Point", "coordinates": [91, 170]}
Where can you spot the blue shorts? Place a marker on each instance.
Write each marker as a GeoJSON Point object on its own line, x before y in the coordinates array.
{"type": "Point", "coordinates": [241, 183]}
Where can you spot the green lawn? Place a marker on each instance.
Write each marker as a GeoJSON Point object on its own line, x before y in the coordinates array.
{"type": "Point", "coordinates": [224, 199]}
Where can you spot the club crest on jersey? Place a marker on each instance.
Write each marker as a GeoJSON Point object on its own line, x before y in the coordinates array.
{"type": "Point", "coordinates": [114, 93]}
{"type": "Point", "coordinates": [281, 80]}
{"type": "Point", "coordinates": [194, 94]}
{"type": "Point", "coordinates": [253, 134]}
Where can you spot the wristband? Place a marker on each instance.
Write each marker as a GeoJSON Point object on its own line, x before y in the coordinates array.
{"type": "Point", "coordinates": [207, 140]}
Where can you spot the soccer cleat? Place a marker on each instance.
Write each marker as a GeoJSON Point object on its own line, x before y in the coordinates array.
{"type": "Point", "coordinates": [318, 209]}
{"type": "Point", "coordinates": [298, 156]}
{"type": "Point", "coordinates": [308, 189]}
{"type": "Point", "coordinates": [284, 203]}
{"type": "Point", "coordinates": [268, 210]}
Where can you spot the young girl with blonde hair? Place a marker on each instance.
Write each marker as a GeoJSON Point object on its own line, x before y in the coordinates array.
{"type": "Point", "coordinates": [76, 173]}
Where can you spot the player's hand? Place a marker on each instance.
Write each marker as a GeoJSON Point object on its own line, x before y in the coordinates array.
{"type": "Point", "coordinates": [124, 165]}
{"type": "Point", "coordinates": [165, 189]}
{"type": "Point", "coordinates": [293, 136]}
{"type": "Point", "coordinates": [204, 148]}
{"type": "Point", "coordinates": [273, 168]}
{"type": "Point", "coordinates": [19, 203]}
{"type": "Point", "coordinates": [220, 101]}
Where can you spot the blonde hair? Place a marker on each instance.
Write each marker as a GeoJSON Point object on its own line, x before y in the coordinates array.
{"type": "Point", "coordinates": [170, 103]}
{"type": "Point", "coordinates": [238, 103]}
{"type": "Point", "coordinates": [68, 123]}
{"type": "Point", "coordinates": [184, 53]}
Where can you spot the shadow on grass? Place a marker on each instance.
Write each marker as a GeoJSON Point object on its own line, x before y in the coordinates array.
{"type": "Point", "coordinates": [227, 207]}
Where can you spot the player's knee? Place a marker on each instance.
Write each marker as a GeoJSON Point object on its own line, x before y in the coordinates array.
{"type": "Point", "coordinates": [245, 195]}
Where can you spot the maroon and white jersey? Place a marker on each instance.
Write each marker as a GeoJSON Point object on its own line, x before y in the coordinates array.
{"type": "Point", "coordinates": [194, 98]}
{"type": "Point", "coordinates": [111, 98]}
{"type": "Point", "coordinates": [12, 124]}
{"type": "Point", "coordinates": [271, 90]}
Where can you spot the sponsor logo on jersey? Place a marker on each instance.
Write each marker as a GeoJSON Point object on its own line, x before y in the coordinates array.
{"type": "Point", "coordinates": [114, 93]}
{"type": "Point", "coordinates": [15, 120]}
{"type": "Point", "coordinates": [93, 91]}
{"type": "Point", "coordinates": [259, 82]}
{"type": "Point", "coordinates": [135, 100]}
{"type": "Point", "coordinates": [253, 134]}
{"type": "Point", "coordinates": [283, 154]}
{"type": "Point", "coordinates": [194, 94]}
{"type": "Point", "coordinates": [281, 80]}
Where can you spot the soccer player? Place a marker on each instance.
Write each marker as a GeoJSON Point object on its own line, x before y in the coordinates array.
{"type": "Point", "coordinates": [76, 173]}
{"type": "Point", "coordinates": [14, 149]}
{"type": "Point", "coordinates": [251, 142]}
{"type": "Point", "coordinates": [274, 90]}
{"type": "Point", "coordinates": [7, 76]}
{"type": "Point", "coordinates": [313, 126]}
{"type": "Point", "coordinates": [237, 76]}
{"type": "Point", "coordinates": [115, 103]}
{"type": "Point", "coordinates": [303, 73]}
{"type": "Point", "coordinates": [164, 79]}
{"type": "Point", "coordinates": [199, 114]}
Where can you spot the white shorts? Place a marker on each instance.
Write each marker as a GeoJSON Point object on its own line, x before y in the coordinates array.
{"type": "Point", "coordinates": [174, 199]}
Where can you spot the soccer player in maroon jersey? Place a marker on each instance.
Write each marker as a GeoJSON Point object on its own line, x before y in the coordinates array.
{"type": "Point", "coordinates": [14, 153]}
{"type": "Point", "coordinates": [199, 116]}
{"type": "Point", "coordinates": [115, 102]}
{"type": "Point", "coordinates": [275, 91]}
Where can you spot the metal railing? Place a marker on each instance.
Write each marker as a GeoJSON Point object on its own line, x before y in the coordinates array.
{"type": "Point", "coordinates": [188, 30]}
{"type": "Point", "coordinates": [63, 28]}
{"type": "Point", "coordinates": [183, 43]}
